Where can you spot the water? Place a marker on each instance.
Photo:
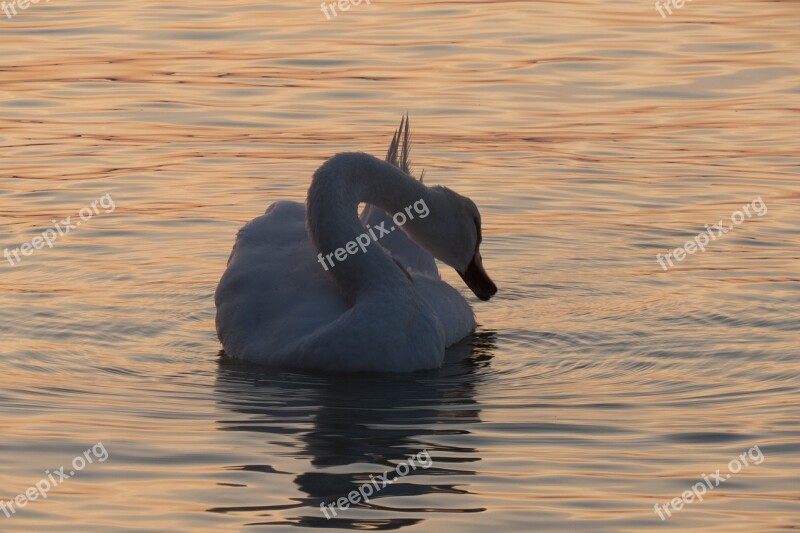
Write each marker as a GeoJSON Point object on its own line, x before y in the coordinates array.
{"type": "Point", "coordinates": [593, 135]}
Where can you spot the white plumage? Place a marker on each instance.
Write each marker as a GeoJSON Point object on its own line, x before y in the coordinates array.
{"type": "Point", "coordinates": [385, 309]}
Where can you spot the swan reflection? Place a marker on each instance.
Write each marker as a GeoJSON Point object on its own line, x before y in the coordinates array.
{"type": "Point", "coordinates": [360, 425]}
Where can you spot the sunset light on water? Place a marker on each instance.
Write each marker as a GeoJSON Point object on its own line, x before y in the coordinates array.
{"type": "Point", "coordinates": [621, 215]}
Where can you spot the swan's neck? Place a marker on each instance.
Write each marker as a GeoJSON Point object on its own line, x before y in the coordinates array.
{"type": "Point", "coordinates": [338, 186]}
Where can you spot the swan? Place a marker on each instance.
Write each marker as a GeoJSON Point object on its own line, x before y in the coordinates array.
{"type": "Point", "coordinates": [286, 299]}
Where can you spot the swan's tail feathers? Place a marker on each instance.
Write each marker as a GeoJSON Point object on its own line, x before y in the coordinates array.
{"type": "Point", "coordinates": [404, 163]}
{"type": "Point", "coordinates": [400, 148]}
{"type": "Point", "coordinates": [394, 146]}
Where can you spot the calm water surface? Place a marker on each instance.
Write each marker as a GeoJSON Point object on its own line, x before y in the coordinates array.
{"type": "Point", "coordinates": [593, 135]}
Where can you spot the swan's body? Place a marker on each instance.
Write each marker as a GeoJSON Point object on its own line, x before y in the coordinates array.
{"type": "Point", "coordinates": [277, 305]}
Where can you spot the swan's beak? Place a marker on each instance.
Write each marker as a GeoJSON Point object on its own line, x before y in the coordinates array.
{"type": "Point", "coordinates": [477, 279]}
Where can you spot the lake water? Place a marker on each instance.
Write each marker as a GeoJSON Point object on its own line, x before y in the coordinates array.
{"type": "Point", "coordinates": [592, 135]}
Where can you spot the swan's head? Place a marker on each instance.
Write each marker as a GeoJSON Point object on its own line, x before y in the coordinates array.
{"type": "Point", "coordinates": [452, 233]}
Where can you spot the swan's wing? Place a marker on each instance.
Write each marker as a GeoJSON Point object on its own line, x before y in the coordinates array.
{"type": "Point", "coordinates": [452, 310]}
{"type": "Point", "coordinates": [405, 251]}
{"type": "Point", "coordinates": [274, 291]}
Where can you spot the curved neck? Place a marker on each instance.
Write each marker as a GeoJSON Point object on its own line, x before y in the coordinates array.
{"type": "Point", "coordinates": [338, 186]}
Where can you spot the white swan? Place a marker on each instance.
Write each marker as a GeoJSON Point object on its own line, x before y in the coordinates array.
{"type": "Point", "coordinates": [385, 309]}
